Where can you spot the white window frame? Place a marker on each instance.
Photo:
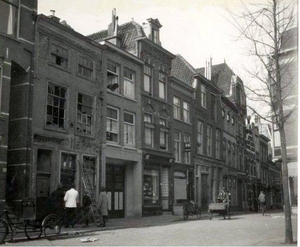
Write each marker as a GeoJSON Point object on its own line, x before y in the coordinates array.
{"type": "Point", "coordinates": [148, 74]}
{"type": "Point", "coordinates": [162, 85]}
{"type": "Point", "coordinates": [129, 130]}
{"type": "Point", "coordinates": [13, 12]}
{"type": "Point", "coordinates": [113, 75]}
{"type": "Point", "coordinates": [177, 146]}
{"type": "Point", "coordinates": [200, 141]}
{"type": "Point", "coordinates": [176, 108]}
{"type": "Point", "coordinates": [203, 96]}
{"type": "Point", "coordinates": [186, 112]}
{"type": "Point", "coordinates": [209, 141]}
{"type": "Point", "coordinates": [109, 128]}
{"type": "Point", "coordinates": [149, 129]}
{"type": "Point", "coordinates": [85, 115]}
{"type": "Point", "coordinates": [129, 83]}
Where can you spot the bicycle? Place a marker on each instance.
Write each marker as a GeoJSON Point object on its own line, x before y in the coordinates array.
{"type": "Point", "coordinates": [33, 228]}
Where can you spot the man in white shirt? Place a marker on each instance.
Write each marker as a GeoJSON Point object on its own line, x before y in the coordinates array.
{"type": "Point", "coordinates": [71, 201]}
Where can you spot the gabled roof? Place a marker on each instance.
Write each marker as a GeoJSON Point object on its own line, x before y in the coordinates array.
{"type": "Point", "coordinates": [127, 32]}
{"type": "Point", "coordinates": [221, 76]}
{"type": "Point", "coordinates": [182, 70]}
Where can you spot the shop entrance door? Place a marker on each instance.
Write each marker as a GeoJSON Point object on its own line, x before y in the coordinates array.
{"type": "Point", "coordinates": [115, 190]}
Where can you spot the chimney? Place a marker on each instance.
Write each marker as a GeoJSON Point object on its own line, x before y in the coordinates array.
{"type": "Point", "coordinates": [113, 30]}
{"type": "Point", "coordinates": [208, 67]}
{"type": "Point", "coordinates": [53, 17]}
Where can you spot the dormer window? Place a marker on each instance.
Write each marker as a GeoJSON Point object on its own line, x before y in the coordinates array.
{"type": "Point", "coordinates": [155, 36]}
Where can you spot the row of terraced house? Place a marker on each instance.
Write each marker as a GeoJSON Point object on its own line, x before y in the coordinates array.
{"type": "Point", "coordinates": [151, 128]}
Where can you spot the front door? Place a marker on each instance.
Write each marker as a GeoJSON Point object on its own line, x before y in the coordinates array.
{"type": "Point", "coordinates": [115, 190]}
{"type": "Point", "coordinates": [204, 192]}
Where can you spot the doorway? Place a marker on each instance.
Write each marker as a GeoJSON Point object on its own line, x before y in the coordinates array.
{"type": "Point", "coordinates": [115, 190]}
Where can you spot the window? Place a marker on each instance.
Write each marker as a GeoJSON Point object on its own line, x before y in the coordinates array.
{"type": "Point", "coordinates": [209, 140]}
{"type": "Point", "coordinates": [85, 67]}
{"type": "Point", "coordinates": [68, 169]}
{"type": "Point", "coordinates": [113, 77]}
{"type": "Point", "coordinates": [177, 146]}
{"type": "Point", "coordinates": [164, 134]}
{"type": "Point", "coordinates": [59, 56]}
{"type": "Point", "coordinates": [90, 164]}
{"type": "Point", "coordinates": [129, 84]}
{"type": "Point", "coordinates": [0, 87]}
{"type": "Point", "coordinates": [56, 106]}
{"type": "Point", "coordinates": [232, 120]}
{"type": "Point", "coordinates": [129, 129]}
{"type": "Point", "coordinates": [149, 129]}
{"type": "Point", "coordinates": [199, 137]}
{"type": "Point", "coordinates": [147, 79]}
{"type": "Point", "coordinates": [162, 85]}
{"type": "Point", "coordinates": [213, 107]}
{"type": "Point", "coordinates": [203, 95]}
{"type": "Point", "coordinates": [223, 113]}
{"type": "Point", "coordinates": [151, 187]}
{"type": "Point", "coordinates": [155, 36]}
{"type": "Point", "coordinates": [176, 108]}
{"type": "Point", "coordinates": [218, 143]}
{"type": "Point", "coordinates": [187, 149]}
{"type": "Point", "coordinates": [186, 112]}
{"type": "Point", "coordinates": [228, 117]}
{"type": "Point", "coordinates": [112, 125]}
{"type": "Point", "coordinates": [9, 11]}
{"type": "Point", "coordinates": [84, 113]}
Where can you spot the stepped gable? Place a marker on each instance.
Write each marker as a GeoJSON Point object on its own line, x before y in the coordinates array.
{"type": "Point", "coordinates": [182, 70]}
{"type": "Point", "coordinates": [127, 33]}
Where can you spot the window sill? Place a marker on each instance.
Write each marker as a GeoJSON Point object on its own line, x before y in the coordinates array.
{"type": "Point", "coordinates": [91, 79]}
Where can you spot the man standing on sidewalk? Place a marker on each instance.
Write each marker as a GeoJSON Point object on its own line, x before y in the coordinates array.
{"type": "Point", "coordinates": [102, 205]}
{"type": "Point", "coordinates": [71, 200]}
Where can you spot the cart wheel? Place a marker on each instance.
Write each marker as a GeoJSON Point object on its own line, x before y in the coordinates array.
{"type": "Point", "coordinates": [199, 213]}
{"type": "Point", "coordinates": [33, 229]}
{"type": "Point", "coordinates": [210, 216]}
{"type": "Point", "coordinates": [3, 231]}
{"type": "Point", "coordinates": [51, 226]}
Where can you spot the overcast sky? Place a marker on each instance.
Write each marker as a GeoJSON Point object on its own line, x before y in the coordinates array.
{"type": "Point", "coordinates": [195, 29]}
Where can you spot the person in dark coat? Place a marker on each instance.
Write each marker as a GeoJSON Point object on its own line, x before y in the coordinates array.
{"type": "Point", "coordinates": [86, 202]}
{"type": "Point", "coordinates": [55, 202]}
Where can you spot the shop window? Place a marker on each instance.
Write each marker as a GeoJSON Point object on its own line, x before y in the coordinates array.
{"type": "Point", "coordinates": [151, 187]}
{"type": "Point", "coordinates": [56, 106]}
{"type": "Point", "coordinates": [84, 113]}
{"type": "Point", "coordinates": [59, 56]}
{"type": "Point", "coordinates": [9, 17]}
{"type": "Point", "coordinates": [68, 169]}
{"type": "Point", "coordinates": [112, 125]}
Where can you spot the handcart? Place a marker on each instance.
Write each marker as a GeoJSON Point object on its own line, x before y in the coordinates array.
{"type": "Point", "coordinates": [27, 222]}
{"type": "Point", "coordinates": [190, 209]}
{"type": "Point", "coordinates": [219, 208]}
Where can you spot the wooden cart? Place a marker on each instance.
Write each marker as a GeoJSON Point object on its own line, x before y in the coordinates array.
{"type": "Point", "coordinates": [219, 208]}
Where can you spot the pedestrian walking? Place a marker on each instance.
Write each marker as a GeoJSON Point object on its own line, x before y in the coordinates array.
{"type": "Point", "coordinates": [86, 202]}
{"type": "Point", "coordinates": [71, 201]}
{"type": "Point", "coordinates": [102, 205]}
{"type": "Point", "coordinates": [262, 202]}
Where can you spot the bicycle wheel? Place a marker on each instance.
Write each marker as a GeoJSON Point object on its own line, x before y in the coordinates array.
{"type": "Point", "coordinates": [33, 230]}
{"type": "Point", "coordinates": [51, 226]}
{"type": "Point", "coordinates": [199, 213]}
{"type": "Point", "coordinates": [3, 231]}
